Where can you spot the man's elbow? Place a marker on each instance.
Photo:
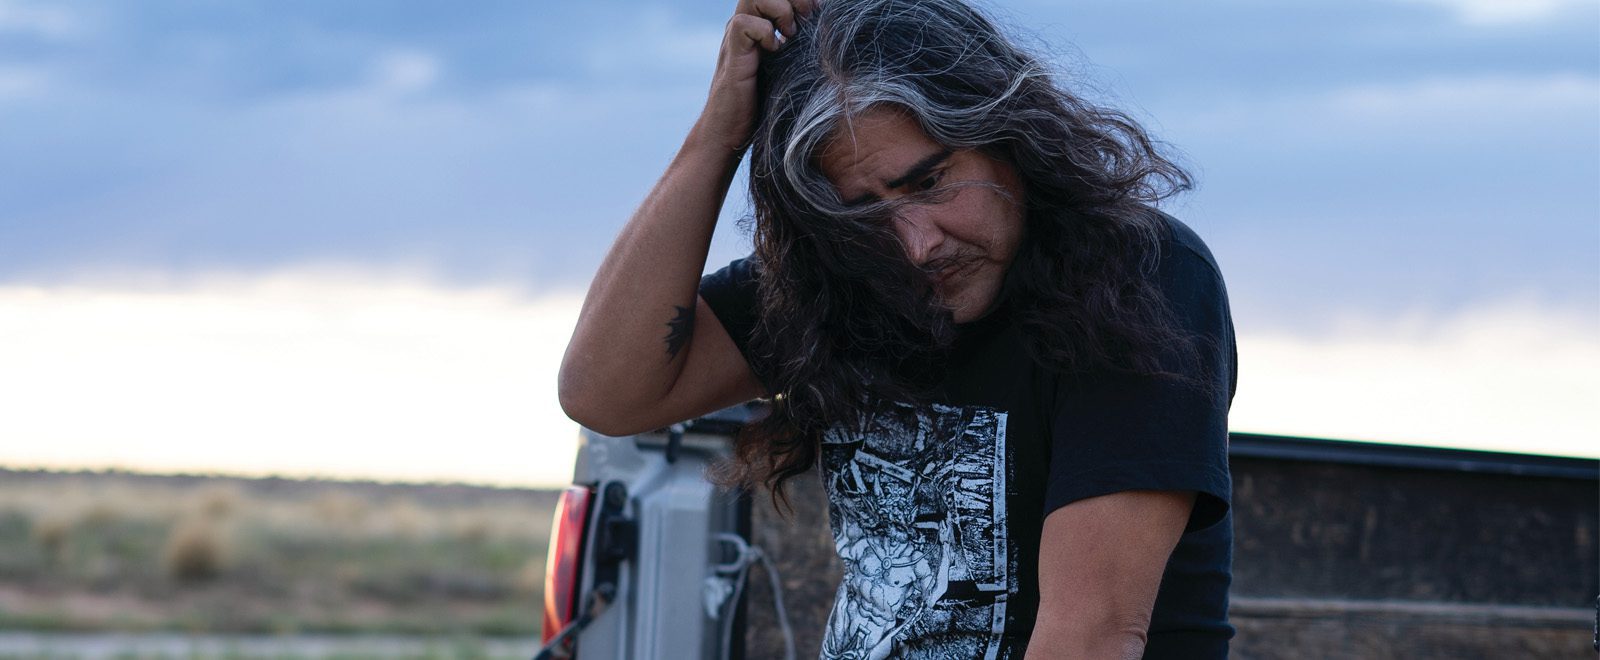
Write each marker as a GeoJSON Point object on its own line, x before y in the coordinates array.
{"type": "Point", "coordinates": [575, 405]}
{"type": "Point", "coordinates": [587, 412]}
{"type": "Point", "coordinates": [1125, 642]}
{"type": "Point", "coordinates": [1110, 637]}
{"type": "Point", "coordinates": [580, 401]}
{"type": "Point", "coordinates": [593, 408]}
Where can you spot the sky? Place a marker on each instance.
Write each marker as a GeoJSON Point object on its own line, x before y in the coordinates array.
{"type": "Point", "coordinates": [350, 239]}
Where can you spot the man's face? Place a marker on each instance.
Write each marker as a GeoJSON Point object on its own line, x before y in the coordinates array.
{"type": "Point", "coordinates": [965, 240]}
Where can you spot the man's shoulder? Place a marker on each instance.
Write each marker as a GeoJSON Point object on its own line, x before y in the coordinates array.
{"type": "Point", "coordinates": [1181, 244]}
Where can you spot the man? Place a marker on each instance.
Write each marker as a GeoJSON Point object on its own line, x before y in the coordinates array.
{"type": "Point", "coordinates": [1012, 373]}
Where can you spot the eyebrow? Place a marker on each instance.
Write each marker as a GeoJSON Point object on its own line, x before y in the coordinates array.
{"type": "Point", "coordinates": [917, 171]}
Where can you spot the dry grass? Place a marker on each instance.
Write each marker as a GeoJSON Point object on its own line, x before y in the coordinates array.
{"type": "Point", "coordinates": [403, 518]}
{"type": "Point", "coordinates": [530, 578]}
{"type": "Point", "coordinates": [272, 555]}
{"type": "Point", "coordinates": [338, 509]}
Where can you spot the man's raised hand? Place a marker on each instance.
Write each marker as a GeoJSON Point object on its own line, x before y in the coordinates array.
{"type": "Point", "coordinates": [730, 113]}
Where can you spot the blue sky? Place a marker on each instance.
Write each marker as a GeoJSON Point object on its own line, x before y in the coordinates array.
{"type": "Point", "coordinates": [1359, 160]}
{"type": "Point", "coordinates": [1362, 154]}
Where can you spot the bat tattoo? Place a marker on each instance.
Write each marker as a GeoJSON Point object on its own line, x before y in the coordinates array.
{"type": "Point", "coordinates": [679, 329]}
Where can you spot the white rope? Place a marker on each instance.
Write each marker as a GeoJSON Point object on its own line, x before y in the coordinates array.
{"type": "Point", "coordinates": [739, 569]}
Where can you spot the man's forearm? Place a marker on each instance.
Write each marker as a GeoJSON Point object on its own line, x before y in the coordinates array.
{"type": "Point", "coordinates": [638, 315]}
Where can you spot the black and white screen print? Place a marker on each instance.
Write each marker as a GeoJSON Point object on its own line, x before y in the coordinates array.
{"type": "Point", "coordinates": [917, 509]}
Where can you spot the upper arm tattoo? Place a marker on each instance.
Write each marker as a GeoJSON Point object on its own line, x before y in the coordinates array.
{"type": "Point", "coordinates": [679, 329]}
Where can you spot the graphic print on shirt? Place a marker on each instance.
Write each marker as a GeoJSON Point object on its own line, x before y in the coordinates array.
{"type": "Point", "coordinates": [916, 502]}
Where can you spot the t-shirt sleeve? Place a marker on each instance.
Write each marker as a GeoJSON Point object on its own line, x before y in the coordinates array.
{"type": "Point", "coordinates": [1119, 432]}
{"type": "Point", "coordinates": [732, 294]}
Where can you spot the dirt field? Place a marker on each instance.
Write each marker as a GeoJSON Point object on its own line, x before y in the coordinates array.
{"type": "Point", "coordinates": [100, 552]}
{"type": "Point", "coordinates": [178, 646]}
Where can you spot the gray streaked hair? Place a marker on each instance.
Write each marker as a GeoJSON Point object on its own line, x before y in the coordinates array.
{"type": "Point", "coordinates": [845, 318]}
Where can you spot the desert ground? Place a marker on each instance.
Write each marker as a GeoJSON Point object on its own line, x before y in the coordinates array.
{"type": "Point", "coordinates": [115, 564]}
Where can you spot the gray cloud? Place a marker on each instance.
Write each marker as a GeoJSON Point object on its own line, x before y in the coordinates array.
{"type": "Point", "coordinates": [1359, 154]}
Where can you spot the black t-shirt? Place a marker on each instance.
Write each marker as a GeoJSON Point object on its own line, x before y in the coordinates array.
{"type": "Point", "coordinates": [937, 513]}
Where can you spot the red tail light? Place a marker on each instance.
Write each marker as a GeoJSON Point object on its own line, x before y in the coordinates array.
{"type": "Point", "coordinates": [564, 559]}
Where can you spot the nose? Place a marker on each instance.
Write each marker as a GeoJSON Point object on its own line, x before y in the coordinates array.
{"type": "Point", "coordinates": [919, 232]}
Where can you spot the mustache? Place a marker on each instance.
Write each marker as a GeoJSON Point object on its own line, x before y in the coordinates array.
{"type": "Point", "coordinates": [949, 263]}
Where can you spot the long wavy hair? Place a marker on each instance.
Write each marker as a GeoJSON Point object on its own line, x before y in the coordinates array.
{"type": "Point", "coordinates": [846, 319]}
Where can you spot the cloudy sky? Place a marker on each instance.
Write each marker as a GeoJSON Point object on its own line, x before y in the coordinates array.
{"type": "Point", "coordinates": [350, 238]}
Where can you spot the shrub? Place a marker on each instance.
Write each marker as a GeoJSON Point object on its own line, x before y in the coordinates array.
{"type": "Point", "coordinates": [101, 513]}
{"type": "Point", "coordinates": [339, 509]}
{"type": "Point", "coordinates": [53, 532]}
{"type": "Point", "coordinates": [404, 518]}
{"type": "Point", "coordinates": [197, 550]}
{"type": "Point", "coordinates": [474, 528]}
{"type": "Point", "coordinates": [218, 501]}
